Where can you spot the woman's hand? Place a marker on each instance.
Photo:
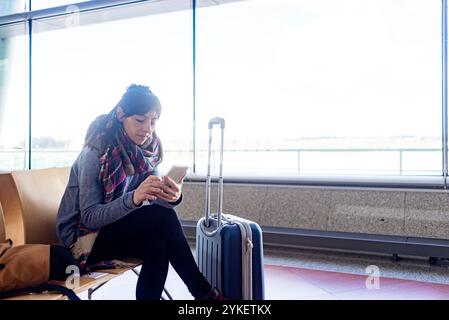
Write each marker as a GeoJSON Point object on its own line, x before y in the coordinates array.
{"type": "Point", "coordinates": [149, 189]}
{"type": "Point", "coordinates": [171, 191]}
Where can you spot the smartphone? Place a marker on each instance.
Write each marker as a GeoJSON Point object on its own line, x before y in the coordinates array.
{"type": "Point", "coordinates": [177, 173]}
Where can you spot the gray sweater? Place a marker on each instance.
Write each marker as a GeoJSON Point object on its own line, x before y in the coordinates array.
{"type": "Point", "coordinates": [84, 195]}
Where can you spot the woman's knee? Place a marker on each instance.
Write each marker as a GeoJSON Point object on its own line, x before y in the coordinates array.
{"type": "Point", "coordinates": [162, 214]}
{"type": "Point", "coordinates": [165, 210]}
{"type": "Point", "coordinates": [157, 222]}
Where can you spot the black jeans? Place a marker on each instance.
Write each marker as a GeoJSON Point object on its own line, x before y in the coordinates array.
{"type": "Point", "coordinates": [153, 234]}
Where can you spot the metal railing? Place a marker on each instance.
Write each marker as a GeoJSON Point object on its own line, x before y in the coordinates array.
{"type": "Point", "coordinates": [294, 161]}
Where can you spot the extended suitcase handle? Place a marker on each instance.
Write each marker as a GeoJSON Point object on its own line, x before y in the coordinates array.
{"type": "Point", "coordinates": [217, 120]}
{"type": "Point", "coordinates": [213, 122]}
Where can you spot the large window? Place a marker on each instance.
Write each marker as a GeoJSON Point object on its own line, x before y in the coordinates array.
{"type": "Point", "coordinates": [307, 87]}
{"type": "Point", "coordinates": [13, 6]}
{"type": "Point", "coordinates": [14, 89]}
{"type": "Point", "coordinates": [14, 102]}
{"type": "Point", "coordinates": [81, 72]}
{"type": "Point", "coordinates": [43, 4]}
{"type": "Point", "coordinates": [323, 86]}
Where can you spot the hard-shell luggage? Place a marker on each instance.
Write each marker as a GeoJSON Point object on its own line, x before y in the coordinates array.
{"type": "Point", "coordinates": [229, 249]}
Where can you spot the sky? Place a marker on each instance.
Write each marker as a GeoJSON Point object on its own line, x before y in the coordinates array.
{"type": "Point", "coordinates": [274, 69]}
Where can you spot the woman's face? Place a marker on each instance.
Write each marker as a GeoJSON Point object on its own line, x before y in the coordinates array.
{"type": "Point", "coordinates": [140, 127]}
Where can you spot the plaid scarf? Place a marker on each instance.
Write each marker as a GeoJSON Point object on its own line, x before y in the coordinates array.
{"type": "Point", "coordinates": [121, 158]}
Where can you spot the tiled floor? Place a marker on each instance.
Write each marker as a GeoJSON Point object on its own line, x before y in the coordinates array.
{"type": "Point", "coordinates": [292, 282]}
{"type": "Point", "coordinates": [319, 285]}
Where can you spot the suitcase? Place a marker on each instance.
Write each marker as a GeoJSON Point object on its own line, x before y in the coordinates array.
{"type": "Point", "coordinates": [229, 249]}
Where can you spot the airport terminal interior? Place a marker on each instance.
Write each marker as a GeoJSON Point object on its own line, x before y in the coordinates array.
{"type": "Point", "coordinates": [316, 129]}
{"type": "Point", "coordinates": [308, 274]}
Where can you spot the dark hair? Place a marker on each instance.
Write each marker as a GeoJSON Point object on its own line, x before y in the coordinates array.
{"type": "Point", "coordinates": [137, 99]}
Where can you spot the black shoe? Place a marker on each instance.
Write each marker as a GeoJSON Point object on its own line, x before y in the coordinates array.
{"type": "Point", "coordinates": [214, 294]}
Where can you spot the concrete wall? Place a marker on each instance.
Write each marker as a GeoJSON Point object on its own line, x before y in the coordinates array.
{"type": "Point", "coordinates": [375, 211]}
